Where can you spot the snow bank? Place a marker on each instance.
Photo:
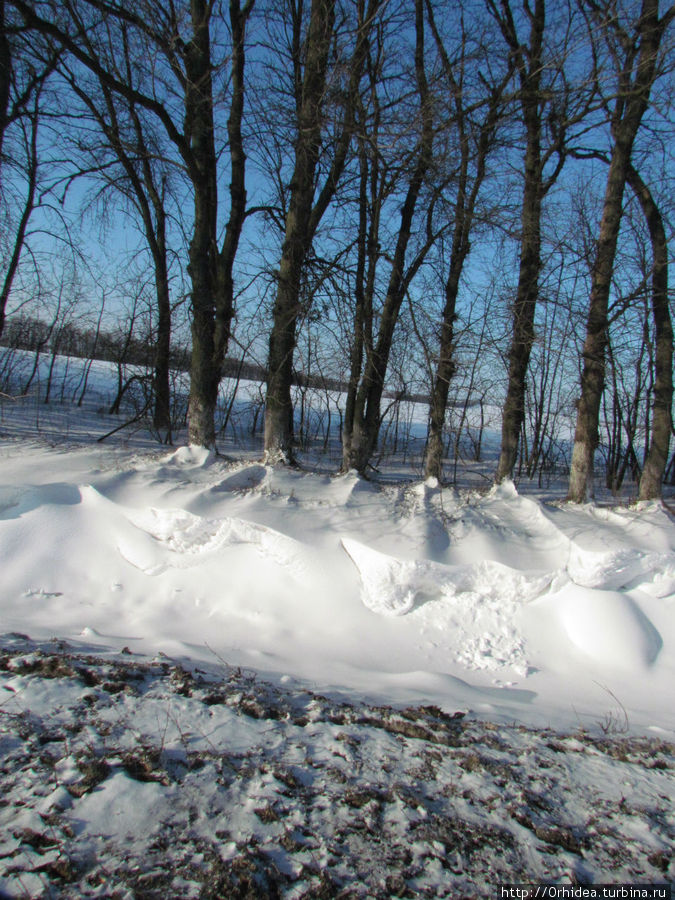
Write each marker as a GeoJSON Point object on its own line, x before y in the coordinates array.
{"type": "Point", "coordinates": [609, 627]}
{"type": "Point", "coordinates": [495, 602]}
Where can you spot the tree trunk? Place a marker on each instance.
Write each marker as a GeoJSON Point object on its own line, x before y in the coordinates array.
{"type": "Point", "coordinates": [155, 232]}
{"type": "Point", "coordinates": [202, 266]}
{"type": "Point", "coordinates": [464, 214]}
{"type": "Point", "coordinates": [224, 299]}
{"type": "Point", "coordinates": [445, 369]}
{"type": "Point", "coordinates": [301, 223]}
{"type": "Point", "coordinates": [367, 406]}
{"type": "Point", "coordinates": [593, 376]}
{"type": "Point", "coordinates": [656, 459]}
{"type": "Point", "coordinates": [212, 271]}
{"type": "Point", "coordinates": [161, 384]}
{"type": "Point", "coordinates": [372, 189]}
{"type": "Point", "coordinates": [527, 292]}
{"type": "Point", "coordinates": [630, 105]}
{"type": "Point", "coordinates": [360, 312]}
{"type": "Point", "coordinates": [523, 318]}
{"type": "Point", "coordinates": [366, 269]}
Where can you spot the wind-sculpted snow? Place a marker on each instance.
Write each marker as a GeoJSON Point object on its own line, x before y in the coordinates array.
{"type": "Point", "coordinates": [476, 603]}
{"type": "Point", "coordinates": [182, 540]}
{"type": "Point", "coordinates": [517, 609]}
{"type": "Point", "coordinates": [608, 626]}
{"type": "Point", "coordinates": [393, 586]}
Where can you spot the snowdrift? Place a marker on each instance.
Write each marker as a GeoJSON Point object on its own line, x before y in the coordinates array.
{"type": "Point", "coordinates": [497, 603]}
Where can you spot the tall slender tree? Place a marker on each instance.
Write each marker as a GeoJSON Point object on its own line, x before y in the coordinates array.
{"type": "Point", "coordinates": [656, 460]}
{"type": "Point", "coordinates": [634, 48]}
{"type": "Point", "coordinates": [475, 122]}
{"type": "Point", "coordinates": [359, 443]}
{"type": "Point", "coordinates": [178, 38]}
{"type": "Point", "coordinates": [304, 214]}
{"type": "Point", "coordinates": [374, 185]}
{"type": "Point", "coordinates": [531, 63]}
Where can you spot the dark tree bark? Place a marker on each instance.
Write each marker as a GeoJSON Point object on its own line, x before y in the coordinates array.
{"type": "Point", "coordinates": [363, 293]}
{"type": "Point", "coordinates": [303, 216]}
{"type": "Point", "coordinates": [190, 60]}
{"type": "Point", "coordinates": [638, 72]}
{"type": "Point", "coordinates": [468, 188]}
{"type": "Point", "coordinates": [5, 76]}
{"type": "Point", "coordinates": [372, 191]}
{"type": "Point", "coordinates": [211, 271]}
{"type": "Point", "coordinates": [559, 109]}
{"type": "Point", "coordinates": [297, 237]}
{"type": "Point", "coordinates": [529, 63]}
{"type": "Point", "coordinates": [656, 460]}
{"type": "Point", "coordinates": [203, 262]}
{"type": "Point", "coordinates": [225, 295]}
{"type": "Point", "coordinates": [359, 451]}
{"type": "Point", "coordinates": [29, 203]}
{"type": "Point", "coordinates": [161, 417]}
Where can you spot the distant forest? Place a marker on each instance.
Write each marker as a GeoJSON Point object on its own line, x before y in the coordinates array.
{"type": "Point", "coordinates": [36, 336]}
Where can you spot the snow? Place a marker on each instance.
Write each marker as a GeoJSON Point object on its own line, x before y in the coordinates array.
{"type": "Point", "coordinates": [608, 626]}
{"type": "Point", "coordinates": [148, 778]}
{"type": "Point", "coordinates": [405, 593]}
{"type": "Point", "coordinates": [514, 611]}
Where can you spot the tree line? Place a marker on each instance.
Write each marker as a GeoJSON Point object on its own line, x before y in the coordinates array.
{"type": "Point", "coordinates": [129, 348]}
{"type": "Point", "coordinates": [427, 191]}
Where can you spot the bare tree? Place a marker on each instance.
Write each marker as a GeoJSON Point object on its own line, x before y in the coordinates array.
{"type": "Point", "coordinates": [635, 51]}
{"type": "Point", "coordinates": [183, 68]}
{"type": "Point", "coordinates": [142, 180]}
{"type": "Point", "coordinates": [22, 80]}
{"type": "Point", "coordinates": [656, 460]}
{"type": "Point", "coordinates": [375, 183]}
{"type": "Point", "coordinates": [476, 124]}
{"type": "Point", "coordinates": [310, 65]}
{"type": "Point", "coordinates": [359, 445]}
{"type": "Point", "coordinates": [531, 64]}
{"type": "Point", "coordinates": [28, 127]}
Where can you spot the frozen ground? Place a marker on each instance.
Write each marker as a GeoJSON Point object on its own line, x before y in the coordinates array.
{"type": "Point", "coordinates": [313, 604]}
{"type": "Point", "coordinates": [144, 779]}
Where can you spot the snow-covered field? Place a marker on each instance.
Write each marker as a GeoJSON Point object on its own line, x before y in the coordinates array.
{"type": "Point", "coordinates": [221, 677]}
